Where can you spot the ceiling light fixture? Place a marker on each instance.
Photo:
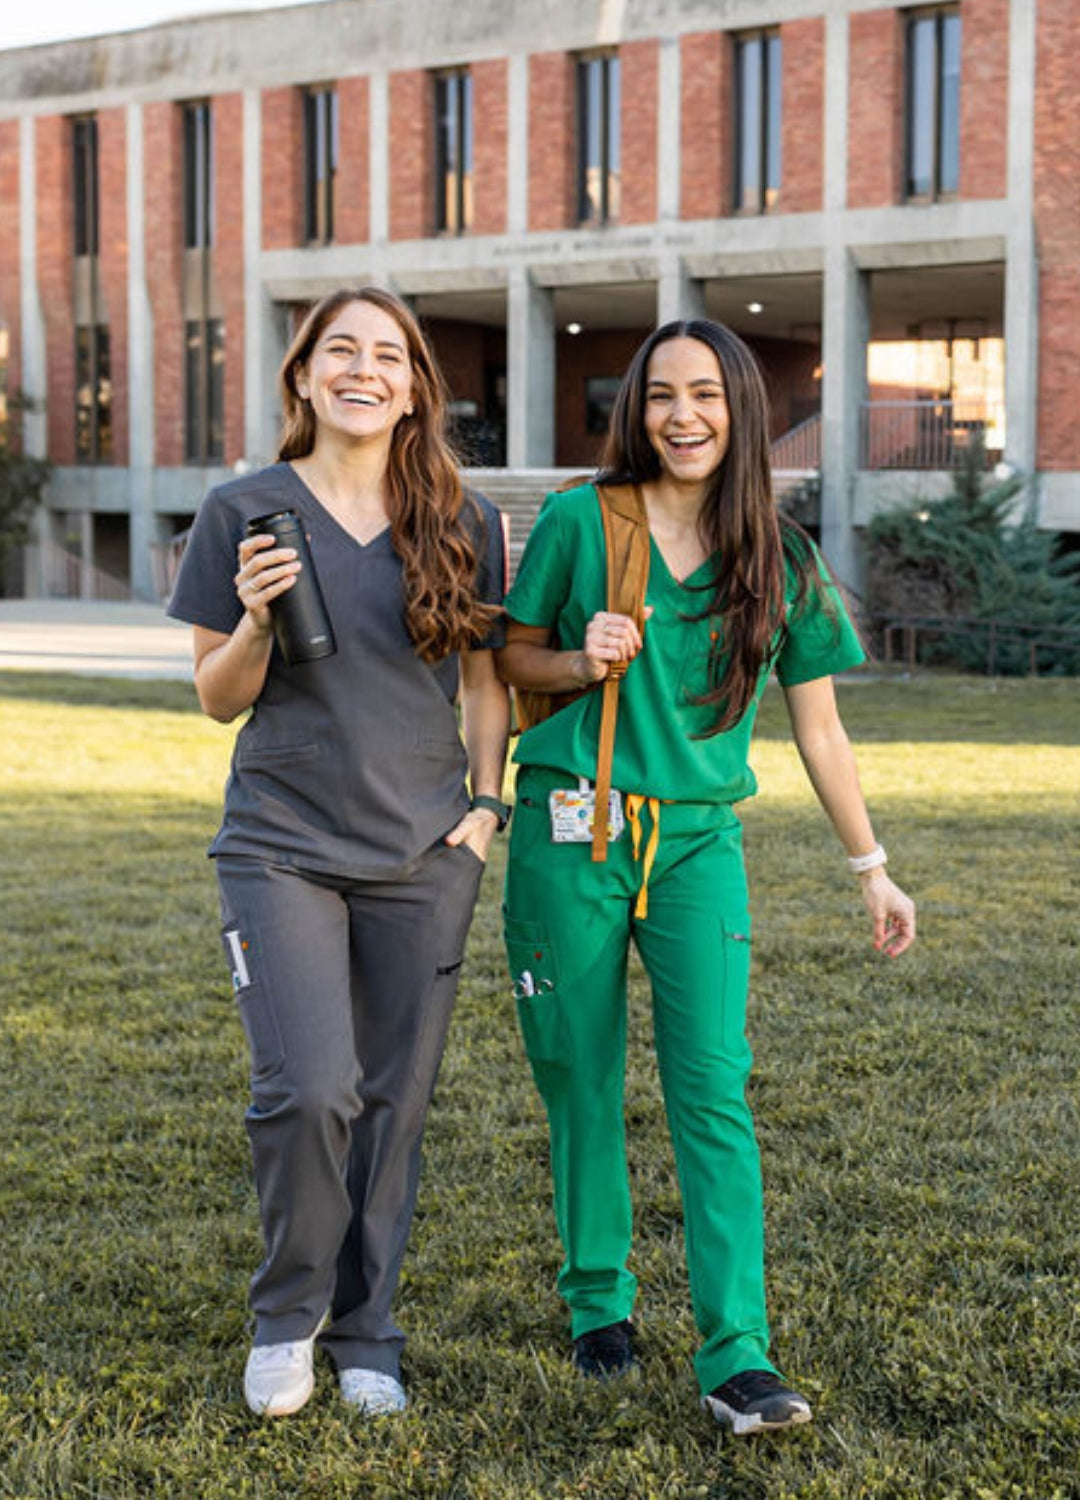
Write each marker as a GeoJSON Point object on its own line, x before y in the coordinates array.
{"type": "Point", "coordinates": [573, 328]}
{"type": "Point", "coordinates": [755, 307]}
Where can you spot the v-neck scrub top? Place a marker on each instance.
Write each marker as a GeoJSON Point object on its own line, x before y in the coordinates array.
{"type": "Point", "coordinates": [562, 582]}
{"type": "Point", "coordinates": [353, 765]}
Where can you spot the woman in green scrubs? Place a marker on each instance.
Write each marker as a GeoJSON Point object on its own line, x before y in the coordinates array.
{"type": "Point", "coordinates": [735, 592]}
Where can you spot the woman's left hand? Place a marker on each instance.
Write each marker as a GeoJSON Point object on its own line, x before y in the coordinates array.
{"type": "Point", "coordinates": [892, 911]}
{"type": "Point", "coordinates": [477, 829]}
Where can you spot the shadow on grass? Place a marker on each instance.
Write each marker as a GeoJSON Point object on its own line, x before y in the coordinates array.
{"type": "Point", "coordinates": [68, 689]}
{"type": "Point", "coordinates": [979, 710]}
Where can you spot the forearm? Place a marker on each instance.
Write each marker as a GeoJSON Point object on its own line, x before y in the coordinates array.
{"type": "Point", "coordinates": [525, 665]}
{"type": "Point", "coordinates": [230, 670]}
{"type": "Point", "coordinates": [829, 760]}
{"type": "Point", "coordinates": [830, 764]}
{"type": "Point", "coordinates": [485, 723]}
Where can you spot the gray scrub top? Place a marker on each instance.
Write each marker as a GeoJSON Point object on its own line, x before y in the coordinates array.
{"type": "Point", "coordinates": [352, 765]}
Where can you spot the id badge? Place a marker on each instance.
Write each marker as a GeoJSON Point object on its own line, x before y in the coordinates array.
{"type": "Point", "coordinates": [572, 809]}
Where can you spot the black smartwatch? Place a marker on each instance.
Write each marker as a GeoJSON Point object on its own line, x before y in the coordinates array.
{"type": "Point", "coordinates": [492, 804]}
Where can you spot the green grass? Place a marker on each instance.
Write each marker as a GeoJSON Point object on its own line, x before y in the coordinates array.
{"type": "Point", "coordinates": [919, 1122]}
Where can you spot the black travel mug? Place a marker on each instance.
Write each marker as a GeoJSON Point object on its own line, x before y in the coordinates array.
{"type": "Point", "coordinates": [301, 623]}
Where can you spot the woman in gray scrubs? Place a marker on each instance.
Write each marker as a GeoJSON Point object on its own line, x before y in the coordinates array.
{"type": "Point", "coordinates": [351, 851]}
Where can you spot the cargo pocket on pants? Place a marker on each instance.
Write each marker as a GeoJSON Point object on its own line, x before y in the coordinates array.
{"type": "Point", "coordinates": [265, 1047]}
{"type": "Point", "coordinates": [735, 937]}
{"type": "Point", "coordinates": [534, 974]}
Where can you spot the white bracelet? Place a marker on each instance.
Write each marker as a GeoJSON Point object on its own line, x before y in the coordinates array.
{"type": "Point", "coordinates": [858, 864]}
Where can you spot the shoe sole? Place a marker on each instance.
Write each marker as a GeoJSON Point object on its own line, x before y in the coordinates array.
{"type": "Point", "coordinates": [376, 1408]}
{"type": "Point", "coordinates": [744, 1424]}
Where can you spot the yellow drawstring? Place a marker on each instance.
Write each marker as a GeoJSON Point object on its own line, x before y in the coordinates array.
{"type": "Point", "coordinates": [635, 801]}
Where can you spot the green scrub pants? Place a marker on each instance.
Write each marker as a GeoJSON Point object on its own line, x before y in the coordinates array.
{"type": "Point", "coordinates": [569, 923]}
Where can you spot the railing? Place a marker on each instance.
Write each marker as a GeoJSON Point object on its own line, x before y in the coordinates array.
{"type": "Point", "coordinates": [927, 434]}
{"type": "Point", "coordinates": [799, 449]}
{"type": "Point", "coordinates": [65, 575]}
{"type": "Point", "coordinates": [165, 563]}
{"type": "Point", "coordinates": [1008, 644]}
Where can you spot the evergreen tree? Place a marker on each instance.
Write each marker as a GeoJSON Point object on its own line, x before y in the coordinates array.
{"type": "Point", "coordinates": [964, 558]}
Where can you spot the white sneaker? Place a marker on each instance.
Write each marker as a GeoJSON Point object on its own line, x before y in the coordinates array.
{"type": "Point", "coordinates": [279, 1378]}
{"type": "Point", "coordinates": [372, 1392]}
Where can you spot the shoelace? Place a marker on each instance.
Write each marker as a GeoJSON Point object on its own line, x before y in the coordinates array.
{"type": "Point", "coordinates": [752, 1385]}
{"type": "Point", "coordinates": [280, 1354]}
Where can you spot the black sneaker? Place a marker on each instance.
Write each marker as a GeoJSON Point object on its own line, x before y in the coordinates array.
{"type": "Point", "coordinates": [756, 1401]}
{"type": "Point", "coordinates": [603, 1352]}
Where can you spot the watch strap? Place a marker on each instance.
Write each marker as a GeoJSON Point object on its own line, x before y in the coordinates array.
{"type": "Point", "coordinates": [492, 804]}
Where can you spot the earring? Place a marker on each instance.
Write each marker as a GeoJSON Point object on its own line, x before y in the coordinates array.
{"type": "Point", "coordinates": [409, 409]}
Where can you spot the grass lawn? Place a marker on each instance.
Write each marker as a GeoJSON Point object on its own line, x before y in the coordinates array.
{"type": "Point", "coordinates": [919, 1123]}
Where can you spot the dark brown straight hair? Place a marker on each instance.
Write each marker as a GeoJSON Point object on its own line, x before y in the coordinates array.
{"type": "Point", "coordinates": [435, 527]}
{"type": "Point", "coordinates": [741, 528]}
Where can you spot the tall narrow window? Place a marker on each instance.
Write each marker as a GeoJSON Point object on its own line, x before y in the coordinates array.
{"type": "Point", "coordinates": [205, 390]}
{"type": "Point", "coordinates": [320, 163]}
{"type": "Point", "coordinates": [933, 103]}
{"type": "Point", "coordinates": [198, 176]}
{"type": "Point", "coordinates": [757, 121]}
{"type": "Point", "coordinates": [93, 396]}
{"type": "Point", "coordinates": [453, 151]}
{"type": "Point", "coordinates": [598, 139]}
{"type": "Point", "coordinates": [84, 138]}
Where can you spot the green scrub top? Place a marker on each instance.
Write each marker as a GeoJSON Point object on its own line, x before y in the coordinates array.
{"type": "Point", "coordinates": [562, 582]}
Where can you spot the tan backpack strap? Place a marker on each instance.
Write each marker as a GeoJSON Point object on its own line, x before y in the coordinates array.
{"type": "Point", "coordinates": [626, 537]}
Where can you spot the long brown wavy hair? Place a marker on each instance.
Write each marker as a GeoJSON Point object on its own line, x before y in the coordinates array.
{"type": "Point", "coordinates": [742, 530]}
{"type": "Point", "coordinates": [436, 528]}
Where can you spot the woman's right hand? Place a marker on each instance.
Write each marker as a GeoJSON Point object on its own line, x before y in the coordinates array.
{"type": "Point", "coordinates": [263, 575]}
{"type": "Point", "coordinates": [610, 640]}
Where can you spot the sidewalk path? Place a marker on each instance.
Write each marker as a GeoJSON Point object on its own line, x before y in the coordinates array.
{"type": "Point", "coordinates": [94, 639]}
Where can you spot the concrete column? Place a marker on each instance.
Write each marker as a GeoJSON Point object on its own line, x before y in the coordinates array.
{"type": "Point", "coordinates": [845, 334]}
{"type": "Point", "coordinates": [145, 527]}
{"type": "Point", "coordinates": [379, 157]}
{"type": "Point", "coordinates": [264, 341]}
{"type": "Point", "coordinates": [837, 64]}
{"type": "Point", "coordinates": [530, 373]}
{"type": "Point", "coordinates": [84, 519]}
{"type": "Point", "coordinates": [34, 363]}
{"type": "Point", "coordinates": [669, 131]}
{"type": "Point", "coordinates": [678, 295]}
{"type": "Point", "coordinates": [517, 148]}
{"type": "Point", "coordinates": [845, 323]}
{"type": "Point", "coordinates": [1021, 265]}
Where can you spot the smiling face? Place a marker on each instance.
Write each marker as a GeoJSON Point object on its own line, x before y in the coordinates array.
{"type": "Point", "coordinates": [359, 378]}
{"type": "Point", "coordinates": [687, 420]}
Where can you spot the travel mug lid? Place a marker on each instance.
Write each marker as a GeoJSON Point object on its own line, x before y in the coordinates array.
{"type": "Point", "coordinates": [271, 518]}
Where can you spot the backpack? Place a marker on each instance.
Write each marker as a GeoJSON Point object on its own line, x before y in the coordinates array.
{"type": "Point", "coordinates": [626, 540]}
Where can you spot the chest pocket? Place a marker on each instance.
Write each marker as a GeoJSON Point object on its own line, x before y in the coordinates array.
{"type": "Point", "coordinates": [680, 649]}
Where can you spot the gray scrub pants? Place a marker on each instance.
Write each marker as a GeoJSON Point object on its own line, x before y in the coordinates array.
{"type": "Point", "coordinates": [345, 990]}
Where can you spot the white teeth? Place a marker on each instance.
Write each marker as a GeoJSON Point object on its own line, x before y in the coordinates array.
{"type": "Point", "coordinates": [358, 398]}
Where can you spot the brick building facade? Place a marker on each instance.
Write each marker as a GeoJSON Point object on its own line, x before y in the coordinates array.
{"type": "Point", "coordinates": [882, 199]}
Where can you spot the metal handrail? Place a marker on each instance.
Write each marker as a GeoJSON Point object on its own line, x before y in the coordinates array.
{"type": "Point", "coordinates": [800, 447]}
{"type": "Point", "coordinates": [924, 433]}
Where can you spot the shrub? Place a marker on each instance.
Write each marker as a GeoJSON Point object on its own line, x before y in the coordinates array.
{"type": "Point", "coordinates": [22, 478]}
